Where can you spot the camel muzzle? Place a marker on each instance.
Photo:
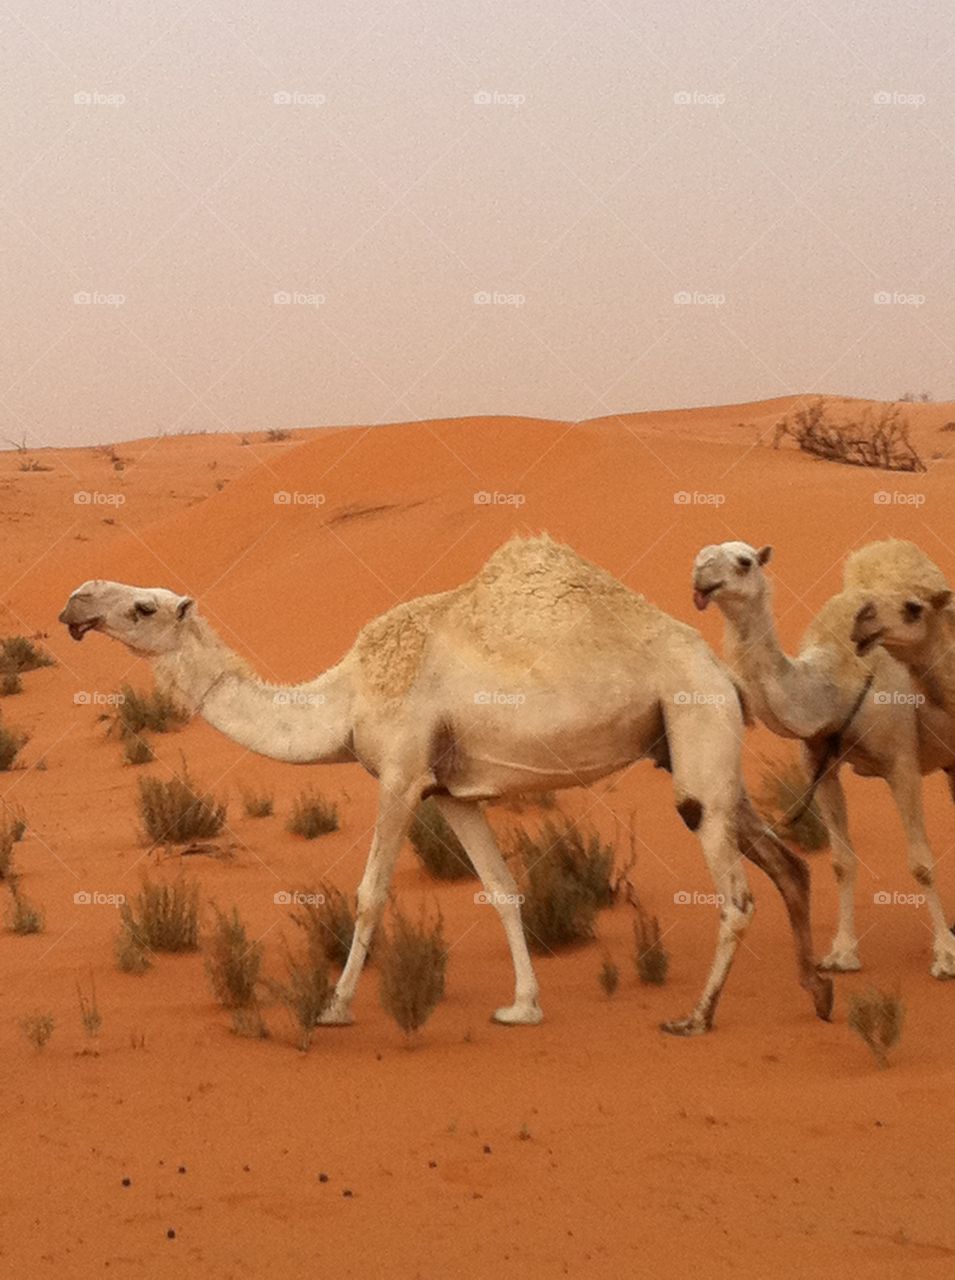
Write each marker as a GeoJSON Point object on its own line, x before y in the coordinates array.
{"type": "Point", "coordinates": [77, 626]}
{"type": "Point", "coordinates": [702, 595]}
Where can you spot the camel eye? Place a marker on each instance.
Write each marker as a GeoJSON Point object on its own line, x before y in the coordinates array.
{"type": "Point", "coordinates": [145, 610]}
{"type": "Point", "coordinates": [913, 610]}
{"type": "Point", "coordinates": [744, 562]}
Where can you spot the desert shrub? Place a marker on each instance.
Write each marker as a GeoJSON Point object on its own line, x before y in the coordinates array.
{"type": "Point", "coordinates": [38, 1027]}
{"type": "Point", "coordinates": [878, 1017]}
{"type": "Point", "coordinates": [90, 1015]}
{"type": "Point", "coordinates": [163, 917]}
{"type": "Point", "coordinates": [307, 989]}
{"type": "Point", "coordinates": [276, 435]}
{"type": "Point", "coordinates": [233, 961]}
{"type": "Point", "coordinates": [312, 815]}
{"type": "Point", "coordinates": [10, 684]}
{"type": "Point", "coordinates": [23, 917]}
{"type": "Point", "coordinates": [15, 821]}
{"type": "Point", "coordinates": [783, 794]}
{"type": "Point", "coordinates": [148, 712]}
{"type": "Point", "coordinates": [18, 653]}
{"type": "Point", "coordinates": [132, 954]}
{"type": "Point", "coordinates": [328, 921]}
{"type": "Point", "coordinates": [11, 741]}
{"type": "Point", "coordinates": [175, 812]}
{"type": "Point", "coordinates": [412, 963]}
{"type": "Point", "coordinates": [609, 977]}
{"type": "Point", "coordinates": [878, 438]}
{"type": "Point", "coordinates": [136, 750]}
{"type": "Point", "coordinates": [442, 854]}
{"type": "Point", "coordinates": [6, 854]}
{"type": "Point", "coordinates": [565, 879]}
{"type": "Point", "coordinates": [258, 804]}
{"type": "Point", "coordinates": [650, 956]}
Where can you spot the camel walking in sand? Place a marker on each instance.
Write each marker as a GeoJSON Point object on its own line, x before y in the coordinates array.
{"type": "Point", "coordinates": [845, 707]}
{"type": "Point", "coordinates": [541, 672]}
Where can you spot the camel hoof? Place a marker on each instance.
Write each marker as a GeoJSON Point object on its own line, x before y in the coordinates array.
{"type": "Point", "coordinates": [823, 996]}
{"type": "Point", "coordinates": [944, 966]}
{"type": "Point", "coordinates": [519, 1015]}
{"type": "Point", "coordinates": [691, 1026]}
{"type": "Point", "coordinates": [842, 960]}
{"type": "Point", "coordinates": [336, 1015]}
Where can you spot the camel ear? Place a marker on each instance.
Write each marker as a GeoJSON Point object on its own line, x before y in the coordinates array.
{"type": "Point", "coordinates": [940, 599]}
{"type": "Point", "coordinates": [764, 555]}
{"type": "Point", "coordinates": [183, 607]}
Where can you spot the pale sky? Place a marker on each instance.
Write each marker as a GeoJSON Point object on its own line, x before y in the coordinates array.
{"type": "Point", "coordinates": [581, 165]}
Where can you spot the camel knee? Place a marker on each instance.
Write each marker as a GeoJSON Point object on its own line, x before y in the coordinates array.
{"type": "Point", "coordinates": [924, 875]}
{"type": "Point", "coordinates": [737, 914]}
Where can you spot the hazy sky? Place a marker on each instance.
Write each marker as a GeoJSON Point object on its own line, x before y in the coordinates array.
{"type": "Point", "coordinates": [582, 166]}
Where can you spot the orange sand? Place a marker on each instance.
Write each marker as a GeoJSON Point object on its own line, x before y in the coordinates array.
{"type": "Point", "coordinates": [773, 1146]}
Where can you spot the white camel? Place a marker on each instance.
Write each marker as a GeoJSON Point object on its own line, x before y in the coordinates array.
{"type": "Point", "coordinates": [845, 708]}
{"type": "Point", "coordinates": [424, 701]}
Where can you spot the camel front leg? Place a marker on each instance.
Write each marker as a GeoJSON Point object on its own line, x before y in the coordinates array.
{"type": "Point", "coordinates": [843, 955]}
{"type": "Point", "coordinates": [395, 811]}
{"type": "Point", "coordinates": [906, 786]}
{"type": "Point", "coordinates": [470, 826]}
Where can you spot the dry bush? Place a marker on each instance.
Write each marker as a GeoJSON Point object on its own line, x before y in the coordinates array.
{"type": "Point", "coordinates": [277, 435]}
{"type": "Point", "coordinates": [307, 989]}
{"type": "Point", "coordinates": [175, 811]}
{"type": "Point", "coordinates": [312, 816]}
{"type": "Point", "coordinates": [23, 917]}
{"type": "Point", "coordinates": [90, 1015]}
{"type": "Point", "coordinates": [442, 854]}
{"type": "Point", "coordinates": [650, 956]}
{"type": "Point", "coordinates": [233, 961]}
{"type": "Point", "coordinates": [608, 977]}
{"type": "Point", "coordinates": [136, 750]}
{"type": "Point", "coordinates": [258, 804]}
{"type": "Point", "coordinates": [132, 954]}
{"type": "Point", "coordinates": [19, 653]}
{"type": "Point", "coordinates": [10, 684]}
{"type": "Point", "coordinates": [783, 794]}
{"type": "Point", "coordinates": [147, 712]}
{"type": "Point", "coordinates": [163, 917]}
{"type": "Point", "coordinates": [566, 878]}
{"type": "Point", "coordinates": [38, 1027]}
{"type": "Point", "coordinates": [327, 918]}
{"type": "Point", "coordinates": [11, 742]}
{"type": "Point", "coordinates": [412, 964]}
{"type": "Point", "coordinates": [878, 1017]}
{"type": "Point", "coordinates": [879, 438]}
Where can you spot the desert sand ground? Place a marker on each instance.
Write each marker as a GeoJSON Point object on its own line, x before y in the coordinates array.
{"type": "Point", "coordinates": [592, 1145]}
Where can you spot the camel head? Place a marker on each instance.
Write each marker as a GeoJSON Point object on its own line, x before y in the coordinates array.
{"type": "Point", "coordinates": [900, 621]}
{"type": "Point", "coordinates": [729, 573]}
{"type": "Point", "coordinates": [148, 620]}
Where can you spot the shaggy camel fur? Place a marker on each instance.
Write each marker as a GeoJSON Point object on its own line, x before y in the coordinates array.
{"type": "Point", "coordinates": [541, 672]}
{"type": "Point", "coordinates": [889, 734]}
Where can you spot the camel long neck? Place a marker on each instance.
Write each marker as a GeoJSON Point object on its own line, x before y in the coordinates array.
{"type": "Point", "coordinates": [301, 724]}
{"type": "Point", "coordinates": [752, 646]}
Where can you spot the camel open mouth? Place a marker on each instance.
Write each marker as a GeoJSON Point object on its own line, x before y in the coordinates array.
{"type": "Point", "coordinates": [703, 595]}
{"type": "Point", "coordinates": [79, 629]}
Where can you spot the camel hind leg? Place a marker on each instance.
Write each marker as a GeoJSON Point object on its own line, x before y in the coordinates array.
{"type": "Point", "coordinates": [704, 752]}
